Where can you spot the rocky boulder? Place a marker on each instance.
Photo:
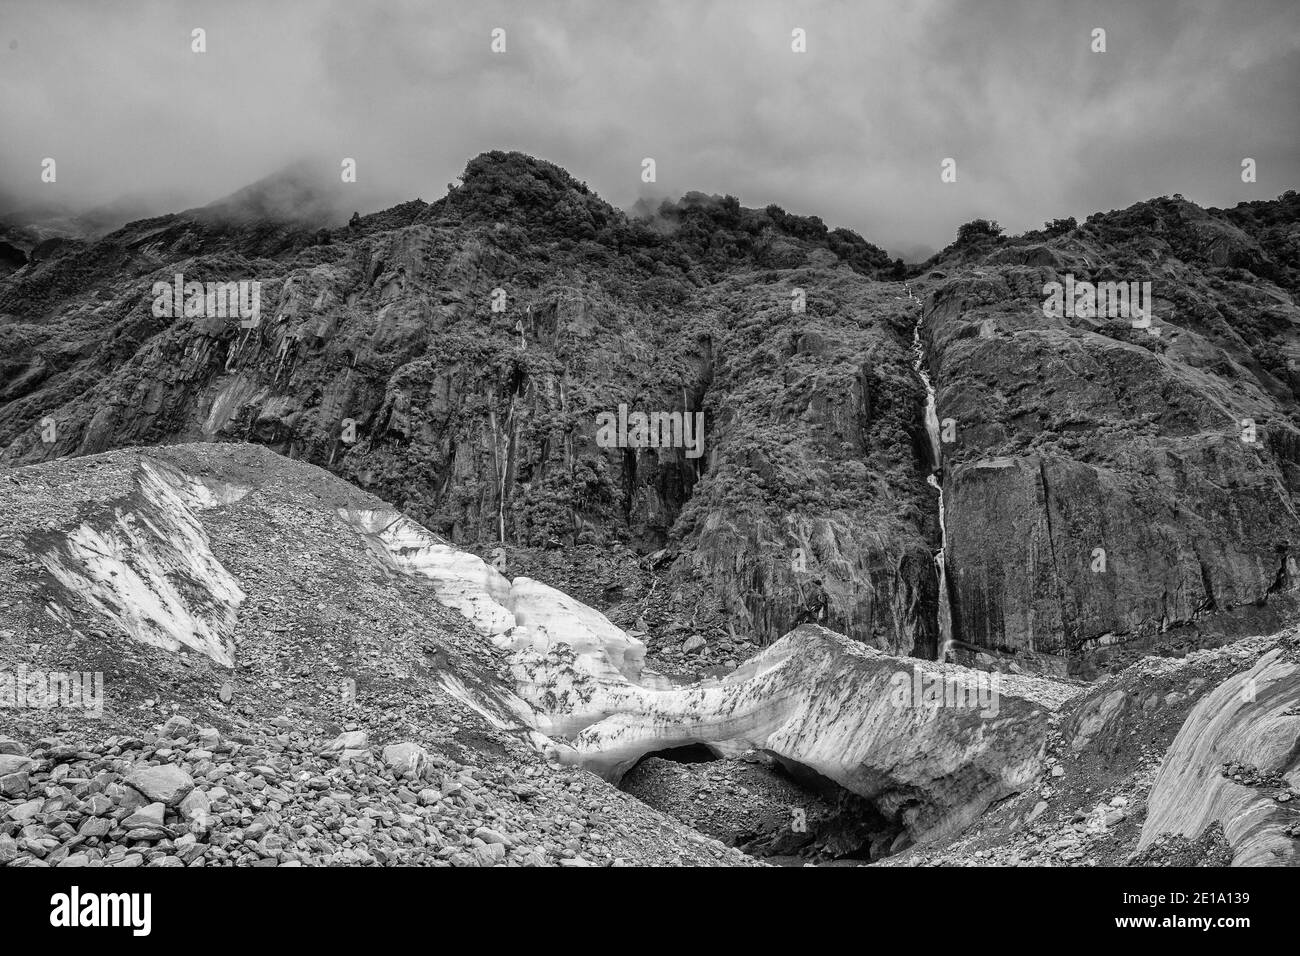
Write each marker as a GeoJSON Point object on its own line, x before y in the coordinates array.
{"type": "Point", "coordinates": [167, 785]}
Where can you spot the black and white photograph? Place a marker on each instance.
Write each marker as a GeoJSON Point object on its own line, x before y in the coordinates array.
{"type": "Point", "coordinates": [663, 435]}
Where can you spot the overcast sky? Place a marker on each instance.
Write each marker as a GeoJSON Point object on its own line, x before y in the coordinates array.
{"type": "Point", "coordinates": [853, 130]}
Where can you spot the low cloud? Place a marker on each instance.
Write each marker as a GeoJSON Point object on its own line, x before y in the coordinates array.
{"type": "Point", "coordinates": [853, 130]}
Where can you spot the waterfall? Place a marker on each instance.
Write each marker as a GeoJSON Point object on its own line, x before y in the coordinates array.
{"type": "Point", "coordinates": [936, 461]}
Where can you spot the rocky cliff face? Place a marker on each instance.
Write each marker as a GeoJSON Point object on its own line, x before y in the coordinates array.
{"type": "Point", "coordinates": [457, 358]}
{"type": "Point", "coordinates": [1106, 483]}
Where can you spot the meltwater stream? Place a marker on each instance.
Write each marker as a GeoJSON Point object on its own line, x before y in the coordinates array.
{"type": "Point", "coordinates": [936, 460]}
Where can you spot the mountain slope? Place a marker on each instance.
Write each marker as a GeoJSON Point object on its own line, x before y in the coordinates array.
{"type": "Point", "coordinates": [1111, 485]}
{"type": "Point", "coordinates": [475, 343]}
{"type": "Point", "coordinates": [315, 728]}
{"type": "Point", "coordinates": [217, 656]}
{"type": "Point", "coordinates": [483, 424]}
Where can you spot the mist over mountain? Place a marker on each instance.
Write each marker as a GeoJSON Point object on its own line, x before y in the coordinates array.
{"type": "Point", "coordinates": [853, 131]}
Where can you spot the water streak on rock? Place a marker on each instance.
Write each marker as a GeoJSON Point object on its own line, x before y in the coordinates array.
{"type": "Point", "coordinates": [935, 481]}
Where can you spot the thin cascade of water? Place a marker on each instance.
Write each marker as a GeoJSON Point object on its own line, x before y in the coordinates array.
{"type": "Point", "coordinates": [936, 460]}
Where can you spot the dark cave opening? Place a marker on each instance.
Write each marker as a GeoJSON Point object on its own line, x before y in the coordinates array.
{"type": "Point", "coordinates": [691, 753]}
{"type": "Point", "coordinates": [766, 806]}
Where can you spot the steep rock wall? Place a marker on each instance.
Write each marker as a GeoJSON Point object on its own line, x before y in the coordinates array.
{"type": "Point", "coordinates": [1103, 483]}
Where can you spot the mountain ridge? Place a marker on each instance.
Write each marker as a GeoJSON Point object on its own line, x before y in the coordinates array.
{"type": "Point", "coordinates": [810, 503]}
